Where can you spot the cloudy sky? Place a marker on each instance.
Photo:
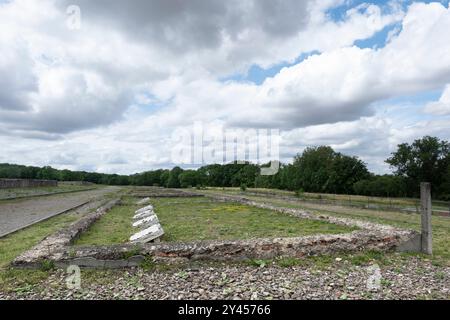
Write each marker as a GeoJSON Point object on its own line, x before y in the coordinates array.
{"type": "Point", "coordinates": [361, 76]}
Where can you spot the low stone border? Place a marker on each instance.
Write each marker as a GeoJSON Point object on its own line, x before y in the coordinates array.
{"type": "Point", "coordinates": [173, 195]}
{"type": "Point", "coordinates": [371, 236]}
{"type": "Point", "coordinates": [344, 204]}
{"type": "Point", "coordinates": [165, 193]}
{"type": "Point", "coordinates": [62, 238]}
{"type": "Point", "coordinates": [236, 250]}
{"type": "Point", "coordinates": [409, 240]}
{"type": "Point", "coordinates": [312, 216]}
{"type": "Point", "coordinates": [40, 195]}
{"type": "Point", "coordinates": [43, 219]}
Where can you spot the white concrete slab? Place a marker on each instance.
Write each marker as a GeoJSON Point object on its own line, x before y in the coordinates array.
{"type": "Point", "coordinates": [143, 201]}
{"type": "Point", "coordinates": [146, 208]}
{"type": "Point", "coordinates": [147, 235]}
{"type": "Point", "coordinates": [143, 215]}
{"type": "Point", "coordinates": [146, 222]}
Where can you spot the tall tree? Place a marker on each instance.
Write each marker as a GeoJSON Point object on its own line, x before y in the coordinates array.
{"type": "Point", "coordinates": [321, 169]}
{"type": "Point", "coordinates": [174, 181]}
{"type": "Point", "coordinates": [425, 159]}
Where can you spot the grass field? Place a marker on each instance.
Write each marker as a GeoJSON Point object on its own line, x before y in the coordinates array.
{"type": "Point", "coordinates": [405, 203]}
{"type": "Point", "coordinates": [11, 246]}
{"type": "Point", "coordinates": [20, 241]}
{"type": "Point", "coordinates": [11, 193]}
{"type": "Point", "coordinates": [114, 227]}
{"type": "Point", "coordinates": [188, 219]}
{"type": "Point", "coordinates": [201, 219]}
{"type": "Point", "coordinates": [441, 225]}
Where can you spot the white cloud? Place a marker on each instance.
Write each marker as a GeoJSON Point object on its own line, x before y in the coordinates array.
{"type": "Point", "coordinates": [337, 85]}
{"type": "Point", "coordinates": [109, 96]}
{"type": "Point", "coordinates": [70, 80]}
{"type": "Point", "coordinates": [441, 107]}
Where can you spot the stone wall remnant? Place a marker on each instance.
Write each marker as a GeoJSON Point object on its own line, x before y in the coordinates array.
{"type": "Point", "coordinates": [26, 183]}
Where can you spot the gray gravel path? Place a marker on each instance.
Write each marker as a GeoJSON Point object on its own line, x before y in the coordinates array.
{"type": "Point", "coordinates": [410, 279]}
{"type": "Point", "coordinates": [17, 214]}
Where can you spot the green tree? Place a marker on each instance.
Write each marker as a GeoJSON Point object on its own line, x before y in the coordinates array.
{"type": "Point", "coordinates": [174, 181]}
{"type": "Point", "coordinates": [164, 178]}
{"type": "Point", "coordinates": [425, 160]}
{"type": "Point", "coordinates": [213, 175]}
{"type": "Point", "coordinates": [246, 175]}
{"type": "Point", "coordinates": [382, 186]}
{"type": "Point", "coordinates": [189, 178]}
{"type": "Point", "coordinates": [444, 187]}
{"type": "Point", "coordinates": [321, 169]}
{"type": "Point", "coordinates": [48, 173]}
{"type": "Point", "coordinates": [346, 171]}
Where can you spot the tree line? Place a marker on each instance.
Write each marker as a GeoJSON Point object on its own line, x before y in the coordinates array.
{"type": "Point", "coordinates": [316, 169]}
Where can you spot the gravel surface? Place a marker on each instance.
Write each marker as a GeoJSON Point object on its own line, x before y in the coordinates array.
{"type": "Point", "coordinates": [16, 214]}
{"type": "Point", "coordinates": [411, 279]}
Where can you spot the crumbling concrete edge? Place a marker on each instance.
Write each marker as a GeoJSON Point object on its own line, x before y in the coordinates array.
{"type": "Point", "coordinates": [408, 238]}
{"type": "Point", "coordinates": [129, 255]}
{"type": "Point", "coordinates": [44, 219]}
{"type": "Point", "coordinates": [371, 236]}
{"type": "Point", "coordinates": [61, 239]}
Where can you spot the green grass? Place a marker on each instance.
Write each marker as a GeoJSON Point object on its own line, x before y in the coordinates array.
{"type": "Point", "coordinates": [440, 225]}
{"type": "Point", "coordinates": [188, 219]}
{"type": "Point", "coordinates": [113, 228]}
{"type": "Point", "coordinates": [340, 198]}
{"type": "Point", "coordinates": [199, 219]}
{"type": "Point", "coordinates": [14, 244]}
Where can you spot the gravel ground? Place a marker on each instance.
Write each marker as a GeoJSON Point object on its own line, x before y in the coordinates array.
{"type": "Point", "coordinates": [411, 279]}
{"type": "Point", "coordinates": [17, 214]}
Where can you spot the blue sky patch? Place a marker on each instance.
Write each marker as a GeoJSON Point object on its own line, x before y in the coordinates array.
{"type": "Point", "coordinates": [379, 39]}
{"type": "Point", "coordinates": [408, 108]}
{"type": "Point", "coordinates": [258, 75]}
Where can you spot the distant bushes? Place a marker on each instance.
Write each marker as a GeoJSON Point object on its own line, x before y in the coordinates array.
{"type": "Point", "coordinates": [382, 186]}
{"type": "Point", "coordinates": [316, 169]}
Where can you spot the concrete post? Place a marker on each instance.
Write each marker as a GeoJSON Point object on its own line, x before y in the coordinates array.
{"type": "Point", "coordinates": [425, 201]}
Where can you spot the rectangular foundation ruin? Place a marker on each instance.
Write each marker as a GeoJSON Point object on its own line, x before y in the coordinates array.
{"type": "Point", "coordinates": [370, 236]}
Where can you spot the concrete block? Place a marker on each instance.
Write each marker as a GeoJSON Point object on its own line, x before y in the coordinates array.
{"type": "Point", "coordinates": [135, 261]}
{"type": "Point", "coordinates": [412, 245]}
{"type": "Point", "coordinates": [143, 215]}
{"type": "Point", "coordinates": [148, 234]}
{"type": "Point", "coordinates": [143, 201]}
{"type": "Point", "coordinates": [146, 222]}
{"type": "Point", "coordinates": [425, 202]}
{"type": "Point", "coordinates": [88, 262]}
{"type": "Point", "coordinates": [146, 208]}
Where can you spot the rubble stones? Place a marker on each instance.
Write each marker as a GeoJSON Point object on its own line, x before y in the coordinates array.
{"type": "Point", "coordinates": [403, 278]}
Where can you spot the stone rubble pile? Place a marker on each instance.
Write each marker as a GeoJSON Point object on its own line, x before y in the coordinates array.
{"type": "Point", "coordinates": [150, 229]}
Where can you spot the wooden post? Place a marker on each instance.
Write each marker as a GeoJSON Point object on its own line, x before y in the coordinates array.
{"type": "Point", "coordinates": [425, 200]}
